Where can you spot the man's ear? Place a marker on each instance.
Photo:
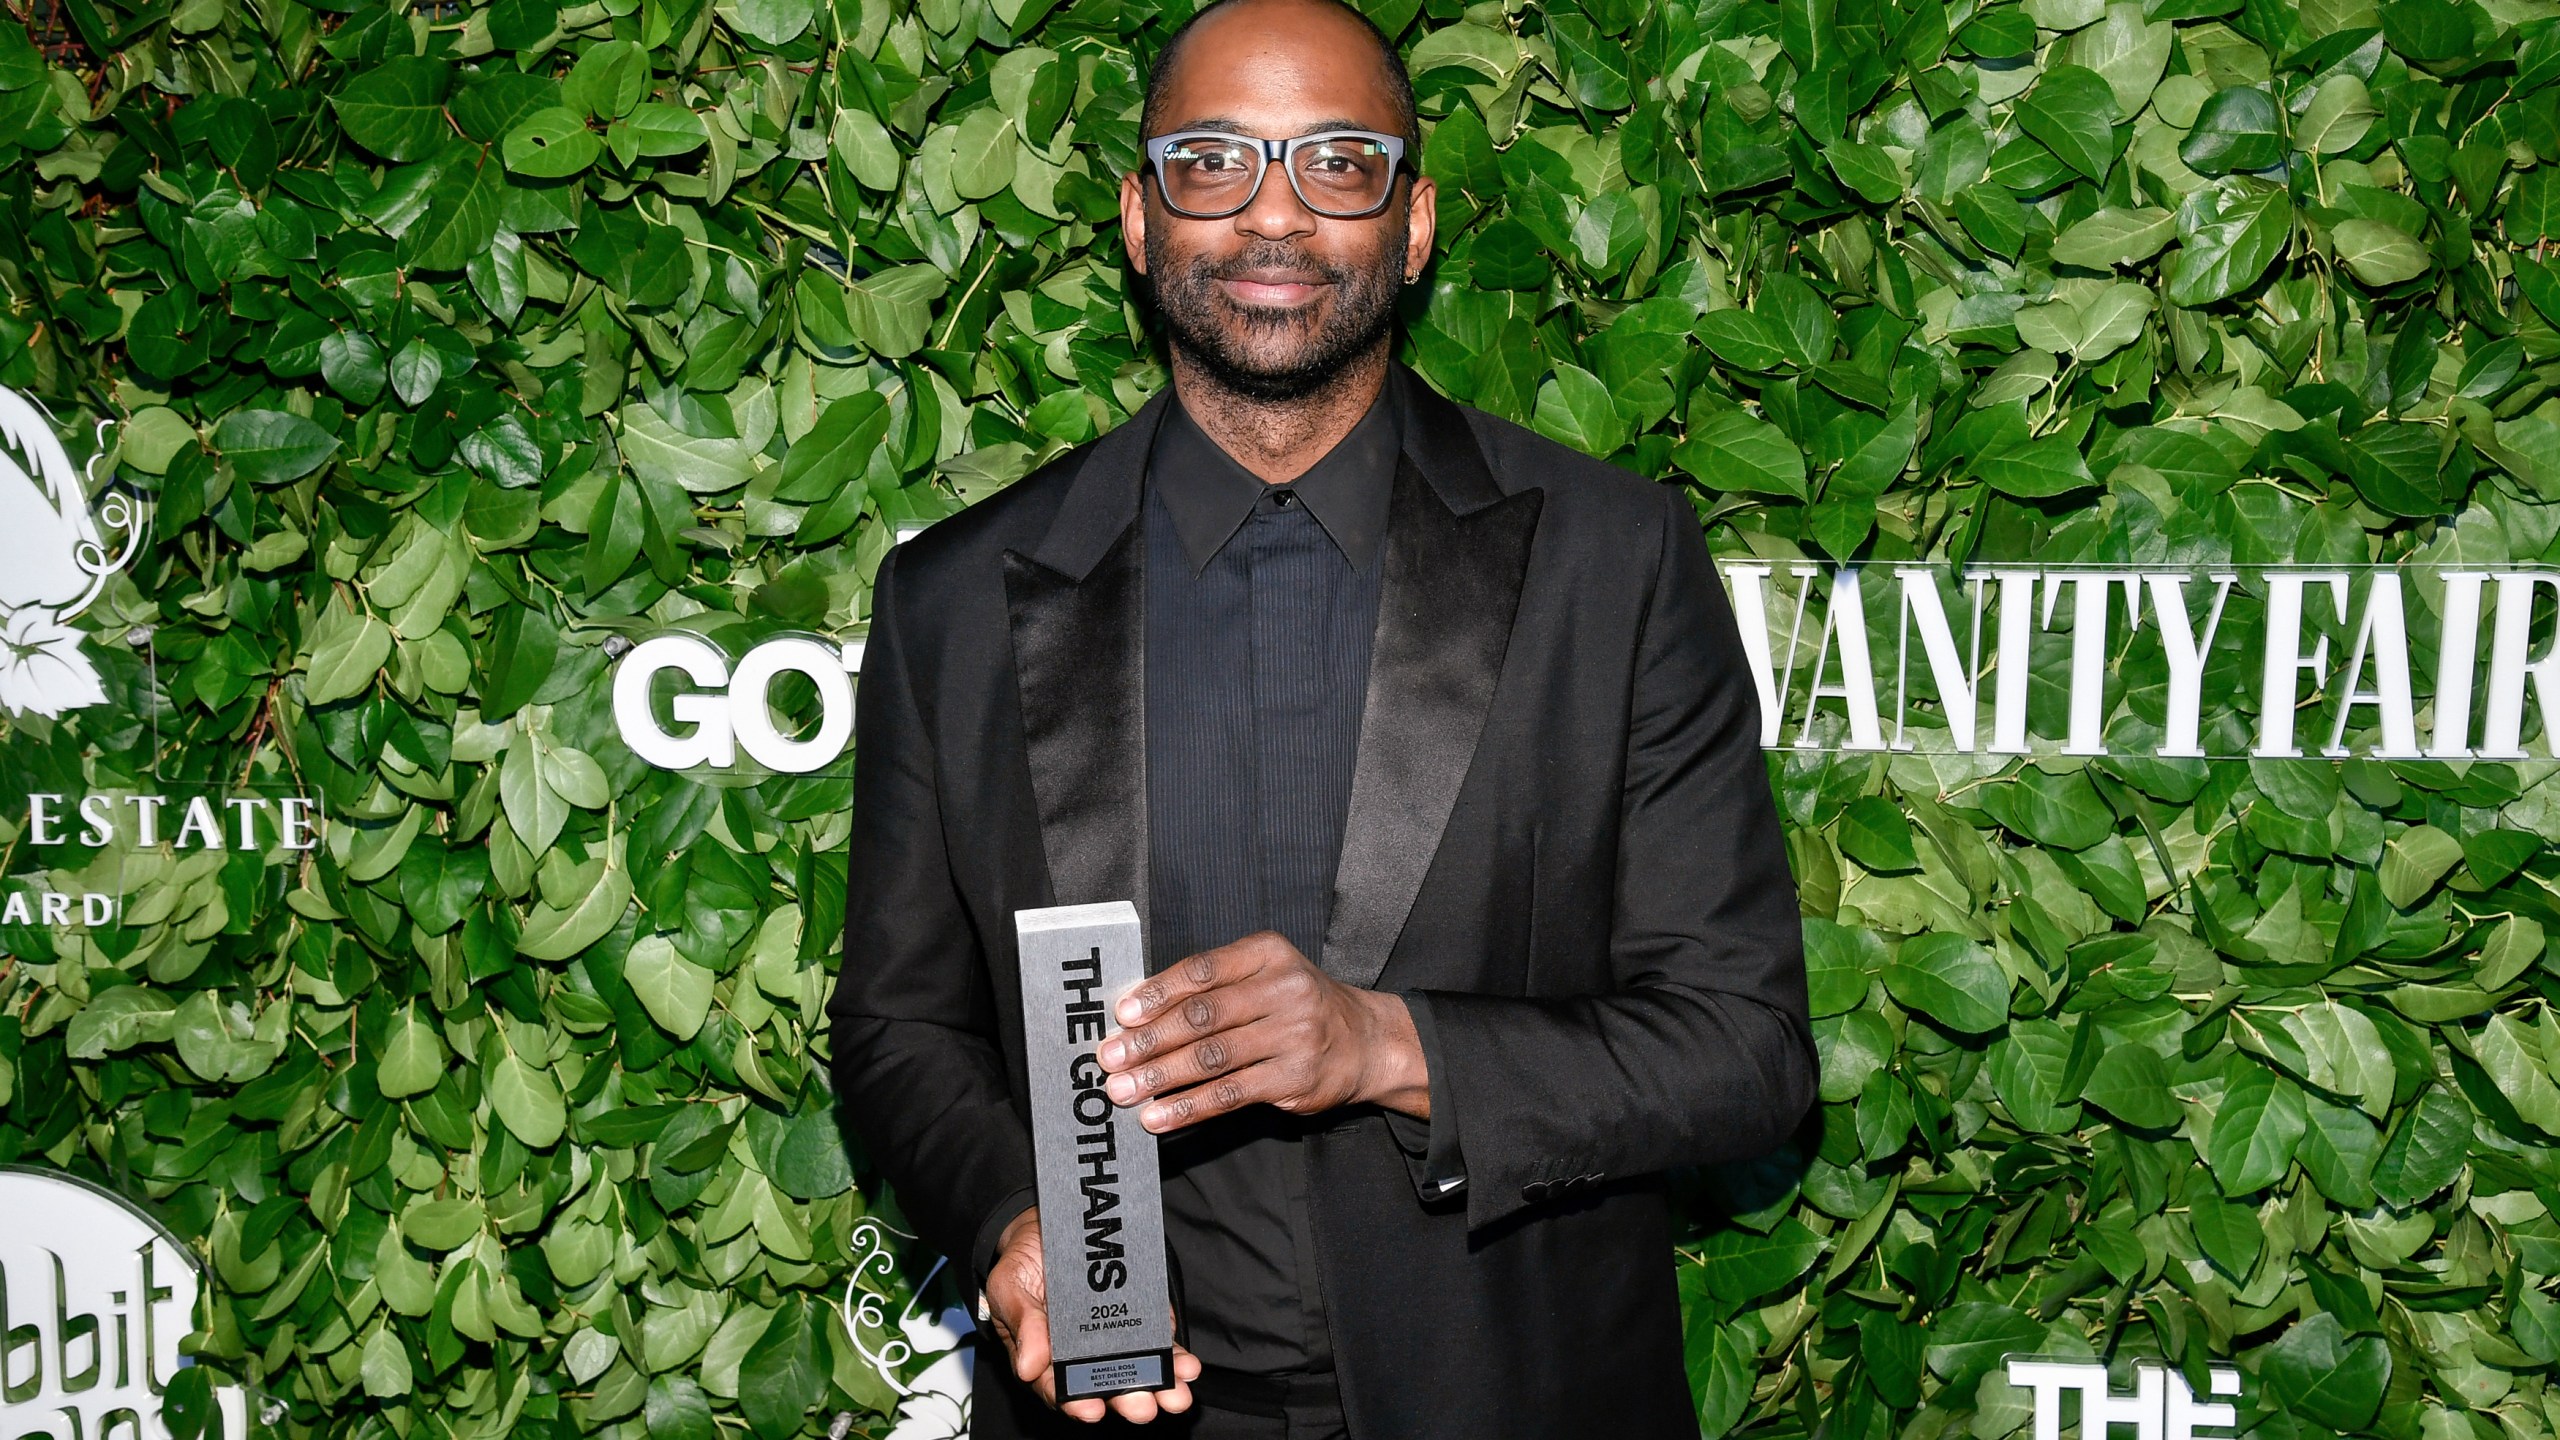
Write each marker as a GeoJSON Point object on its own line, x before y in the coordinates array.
{"type": "Point", "coordinates": [1133, 220]}
{"type": "Point", "coordinates": [1422, 224]}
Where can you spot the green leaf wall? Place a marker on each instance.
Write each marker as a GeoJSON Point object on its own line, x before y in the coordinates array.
{"type": "Point", "coordinates": [451, 343]}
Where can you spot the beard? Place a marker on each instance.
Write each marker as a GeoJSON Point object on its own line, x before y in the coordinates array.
{"type": "Point", "coordinates": [1267, 354]}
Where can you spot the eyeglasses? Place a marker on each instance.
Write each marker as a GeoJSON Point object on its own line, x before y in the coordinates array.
{"type": "Point", "coordinates": [1340, 174]}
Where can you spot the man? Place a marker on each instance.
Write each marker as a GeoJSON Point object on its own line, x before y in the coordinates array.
{"type": "Point", "coordinates": [1428, 750]}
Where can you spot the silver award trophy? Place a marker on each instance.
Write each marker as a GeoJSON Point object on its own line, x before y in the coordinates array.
{"type": "Point", "coordinates": [1101, 1201]}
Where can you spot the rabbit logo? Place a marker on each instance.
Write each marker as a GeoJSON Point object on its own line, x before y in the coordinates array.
{"type": "Point", "coordinates": [53, 563]}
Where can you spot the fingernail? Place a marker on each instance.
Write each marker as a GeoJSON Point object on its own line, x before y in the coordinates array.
{"type": "Point", "coordinates": [1152, 1116]}
{"type": "Point", "coordinates": [1130, 1010]}
{"type": "Point", "coordinates": [1121, 1089]}
{"type": "Point", "coordinates": [1112, 1051]}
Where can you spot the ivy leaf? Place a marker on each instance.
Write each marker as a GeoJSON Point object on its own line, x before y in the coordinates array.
{"type": "Point", "coordinates": [413, 1057]}
{"type": "Point", "coordinates": [607, 80]}
{"type": "Point", "coordinates": [1574, 408]}
{"type": "Point", "coordinates": [1742, 1266]}
{"type": "Point", "coordinates": [2059, 810]}
{"type": "Point", "coordinates": [658, 130]}
{"type": "Point", "coordinates": [2315, 1370]}
{"type": "Point", "coordinates": [527, 1099]}
{"type": "Point", "coordinates": [2239, 128]}
{"type": "Point", "coordinates": [675, 991]}
{"type": "Point", "coordinates": [783, 1376]}
{"type": "Point", "coordinates": [889, 312]}
{"type": "Point", "coordinates": [269, 447]}
{"type": "Point", "coordinates": [2113, 236]}
{"type": "Point", "coordinates": [1951, 980]}
{"type": "Point", "coordinates": [1865, 169]}
{"type": "Point", "coordinates": [1732, 451]}
{"type": "Point", "coordinates": [2072, 109]}
{"type": "Point", "coordinates": [2131, 1084]}
{"type": "Point", "coordinates": [1744, 339]}
{"type": "Point", "coordinates": [397, 109]}
{"type": "Point", "coordinates": [2414, 860]}
{"type": "Point", "coordinates": [524, 646]}
{"type": "Point", "coordinates": [1877, 835]}
{"type": "Point", "coordinates": [349, 653]}
{"type": "Point", "coordinates": [385, 1368]}
{"type": "Point", "coordinates": [462, 211]}
{"type": "Point", "coordinates": [1838, 963]}
{"type": "Point", "coordinates": [551, 144]}
{"type": "Point", "coordinates": [2379, 253]}
{"type": "Point", "coordinates": [2338, 118]}
{"type": "Point", "coordinates": [2514, 1060]}
{"type": "Point", "coordinates": [2261, 1119]}
{"type": "Point", "coordinates": [1800, 320]}
{"type": "Point", "coordinates": [415, 370]}
{"type": "Point", "coordinates": [2228, 255]}
{"type": "Point", "coordinates": [558, 932]}
{"type": "Point", "coordinates": [678, 1410]}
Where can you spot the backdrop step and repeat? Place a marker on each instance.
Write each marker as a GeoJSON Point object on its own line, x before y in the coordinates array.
{"type": "Point", "coordinates": [447, 976]}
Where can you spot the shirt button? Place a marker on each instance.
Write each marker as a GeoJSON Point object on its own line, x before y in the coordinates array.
{"type": "Point", "coordinates": [1285, 498]}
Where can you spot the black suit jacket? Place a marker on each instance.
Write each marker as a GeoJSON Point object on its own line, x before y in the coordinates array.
{"type": "Point", "coordinates": [1561, 828]}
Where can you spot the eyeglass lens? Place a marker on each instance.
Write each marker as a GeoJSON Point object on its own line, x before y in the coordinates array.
{"type": "Point", "coordinates": [1334, 175]}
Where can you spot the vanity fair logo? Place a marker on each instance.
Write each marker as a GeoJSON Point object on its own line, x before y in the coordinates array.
{"type": "Point", "coordinates": [94, 1298]}
{"type": "Point", "coordinates": [53, 562]}
{"type": "Point", "coordinates": [2388, 662]}
{"type": "Point", "coordinates": [2161, 1407]}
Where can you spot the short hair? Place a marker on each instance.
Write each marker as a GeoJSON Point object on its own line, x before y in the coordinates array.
{"type": "Point", "coordinates": [1399, 80]}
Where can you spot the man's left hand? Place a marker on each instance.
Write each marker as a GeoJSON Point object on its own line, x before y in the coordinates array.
{"type": "Point", "coordinates": [1256, 1023]}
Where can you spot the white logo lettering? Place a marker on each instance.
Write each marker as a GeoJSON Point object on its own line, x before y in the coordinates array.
{"type": "Point", "coordinates": [53, 563]}
{"type": "Point", "coordinates": [94, 1298]}
{"type": "Point", "coordinates": [2081, 678]}
{"type": "Point", "coordinates": [2161, 1407]}
{"type": "Point", "coordinates": [740, 716]}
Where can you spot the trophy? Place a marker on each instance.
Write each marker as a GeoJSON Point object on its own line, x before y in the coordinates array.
{"type": "Point", "coordinates": [1101, 1201]}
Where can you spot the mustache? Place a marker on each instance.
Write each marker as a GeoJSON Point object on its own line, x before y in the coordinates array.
{"type": "Point", "coordinates": [1262, 257]}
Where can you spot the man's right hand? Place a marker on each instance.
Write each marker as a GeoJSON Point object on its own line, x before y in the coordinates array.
{"type": "Point", "coordinates": [1018, 1301]}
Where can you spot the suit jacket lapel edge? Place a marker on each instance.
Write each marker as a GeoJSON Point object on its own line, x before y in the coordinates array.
{"type": "Point", "coordinates": [1448, 594]}
{"type": "Point", "coordinates": [1076, 607]}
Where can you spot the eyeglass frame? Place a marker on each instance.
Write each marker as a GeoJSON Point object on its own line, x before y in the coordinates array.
{"type": "Point", "coordinates": [1278, 152]}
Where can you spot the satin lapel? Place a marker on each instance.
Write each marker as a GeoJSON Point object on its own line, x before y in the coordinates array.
{"type": "Point", "coordinates": [1077, 608]}
{"type": "Point", "coordinates": [1446, 597]}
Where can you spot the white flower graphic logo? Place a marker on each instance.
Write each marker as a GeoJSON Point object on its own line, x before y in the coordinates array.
{"type": "Point", "coordinates": [41, 667]}
{"type": "Point", "coordinates": [53, 563]}
{"type": "Point", "coordinates": [934, 1405]}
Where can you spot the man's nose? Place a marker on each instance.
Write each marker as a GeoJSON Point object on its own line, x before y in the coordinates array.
{"type": "Point", "coordinates": [1275, 212]}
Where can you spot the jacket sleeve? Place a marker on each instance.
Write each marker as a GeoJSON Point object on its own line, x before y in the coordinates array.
{"type": "Point", "coordinates": [916, 1062]}
{"type": "Point", "coordinates": [1703, 1051]}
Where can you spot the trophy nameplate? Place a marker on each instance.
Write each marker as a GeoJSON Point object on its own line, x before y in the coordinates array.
{"type": "Point", "coordinates": [1101, 1199]}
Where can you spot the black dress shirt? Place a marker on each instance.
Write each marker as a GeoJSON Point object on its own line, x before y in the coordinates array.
{"type": "Point", "coordinates": [1261, 605]}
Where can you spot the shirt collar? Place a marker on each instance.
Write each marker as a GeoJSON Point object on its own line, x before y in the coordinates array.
{"type": "Point", "coordinates": [1210, 496]}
